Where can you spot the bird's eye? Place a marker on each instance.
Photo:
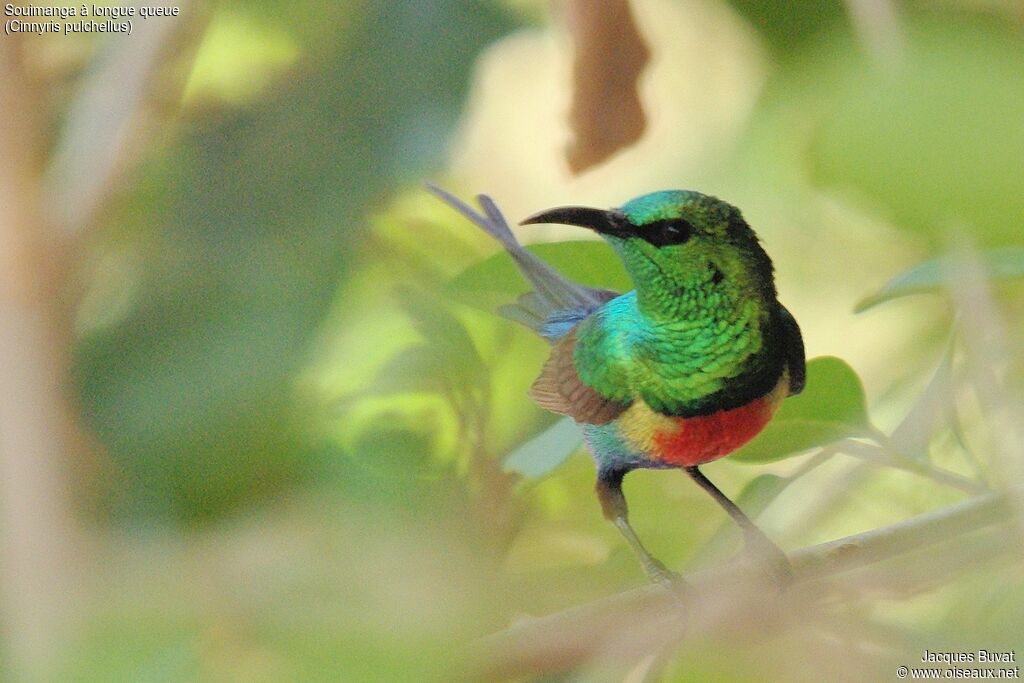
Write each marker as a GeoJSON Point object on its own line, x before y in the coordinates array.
{"type": "Point", "coordinates": [666, 233]}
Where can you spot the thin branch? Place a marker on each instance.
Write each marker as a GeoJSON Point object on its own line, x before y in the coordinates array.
{"type": "Point", "coordinates": [38, 428]}
{"type": "Point", "coordinates": [579, 634]}
{"type": "Point", "coordinates": [889, 457]}
{"type": "Point", "coordinates": [104, 121]}
{"type": "Point", "coordinates": [986, 347]}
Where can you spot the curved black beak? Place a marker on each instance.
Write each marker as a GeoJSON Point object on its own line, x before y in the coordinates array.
{"type": "Point", "coordinates": [611, 222]}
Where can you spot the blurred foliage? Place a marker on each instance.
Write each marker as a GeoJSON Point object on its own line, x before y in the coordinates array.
{"type": "Point", "coordinates": [289, 358]}
{"type": "Point", "coordinates": [938, 275]}
{"type": "Point", "coordinates": [935, 139]}
{"type": "Point", "coordinates": [787, 28]}
{"type": "Point", "coordinates": [247, 224]}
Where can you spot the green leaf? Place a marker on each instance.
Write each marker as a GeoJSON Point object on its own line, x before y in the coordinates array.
{"type": "Point", "coordinates": [546, 451]}
{"type": "Point", "coordinates": [760, 492]}
{"type": "Point", "coordinates": [787, 27]}
{"type": "Point", "coordinates": [831, 407]}
{"type": "Point", "coordinates": [414, 369]}
{"type": "Point", "coordinates": [895, 138]}
{"type": "Point", "coordinates": [1000, 264]}
{"type": "Point", "coordinates": [443, 332]}
{"type": "Point", "coordinates": [495, 281]}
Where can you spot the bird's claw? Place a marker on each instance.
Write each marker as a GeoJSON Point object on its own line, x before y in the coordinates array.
{"type": "Point", "coordinates": [662, 576]}
{"type": "Point", "coordinates": [675, 585]}
{"type": "Point", "coordinates": [659, 574]}
{"type": "Point", "coordinates": [772, 560]}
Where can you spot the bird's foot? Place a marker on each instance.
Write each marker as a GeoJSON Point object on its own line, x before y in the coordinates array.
{"type": "Point", "coordinates": [772, 560]}
{"type": "Point", "coordinates": [675, 585]}
{"type": "Point", "coordinates": [659, 574]}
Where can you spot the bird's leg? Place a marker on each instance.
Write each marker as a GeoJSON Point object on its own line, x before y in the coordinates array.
{"type": "Point", "coordinates": [754, 538]}
{"type": "Point", "coordinates": [613, 503]}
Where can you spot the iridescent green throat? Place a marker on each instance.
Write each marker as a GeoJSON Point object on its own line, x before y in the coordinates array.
{"type": "Point", "coordinates": [694, 338]}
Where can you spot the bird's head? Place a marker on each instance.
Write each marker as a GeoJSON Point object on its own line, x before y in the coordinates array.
{"type": "Point", "coordinates": [677, 241]}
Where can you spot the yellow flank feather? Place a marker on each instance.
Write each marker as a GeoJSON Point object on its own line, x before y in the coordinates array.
{"type": "Point", "coordinates": [639, 424]}
{"type": "Point", "coordinates": [780, 392]}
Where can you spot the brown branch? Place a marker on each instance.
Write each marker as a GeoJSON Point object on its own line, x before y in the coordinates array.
{"type": "Point", "coordinates": [646, 619]}
{"type": "Point", "coordinates": [37, 432]}
{"type": "Point", "coordinates": [41, 438]}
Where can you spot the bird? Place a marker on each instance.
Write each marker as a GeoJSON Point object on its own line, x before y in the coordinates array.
{"type": "Point", "coordinates": [680, 371]}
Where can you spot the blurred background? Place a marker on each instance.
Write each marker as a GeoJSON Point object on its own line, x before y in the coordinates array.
{"type": "Point", "coordinates": [259, 423]}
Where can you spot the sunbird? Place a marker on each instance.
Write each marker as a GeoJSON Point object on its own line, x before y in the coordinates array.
{"type": "Point", "coordinates": [682, 370]}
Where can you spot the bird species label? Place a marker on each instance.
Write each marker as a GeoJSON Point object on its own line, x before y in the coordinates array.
{"type": "Point", "coordinates": [40, 19]}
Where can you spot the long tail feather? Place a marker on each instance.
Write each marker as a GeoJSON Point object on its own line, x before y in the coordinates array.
{"type": "Point", "coordinates": [556, 301]}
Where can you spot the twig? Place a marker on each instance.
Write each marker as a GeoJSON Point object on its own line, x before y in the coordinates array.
{"type": "Point", "coordinates": [103, 119]}
{"type": "Point", "coordinates": [41, 544]}
{"type": "Point", "coordinates": [888, 456]}
{"type": "Point", "coordinates": [37, 532]}
{"type": "Point", "coordinates": [581, 633]}
{"type": "Point", "coordinates": [986, 347]}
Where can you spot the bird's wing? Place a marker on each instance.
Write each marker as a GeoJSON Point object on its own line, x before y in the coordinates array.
{"type": "Point", "coordinates": [550, 322]}
{"type": "Point", "coordinates": [553, 309]}
{"type": "Point", "coordinates": [795, 360]}
{"type": "Point", "coordinates": [560, 389]}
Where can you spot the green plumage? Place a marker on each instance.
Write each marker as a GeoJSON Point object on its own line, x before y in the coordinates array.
{"type": "Point", "coordinates": [702, 331]}
{"type": "Point", "coordinates": [702, 336]}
